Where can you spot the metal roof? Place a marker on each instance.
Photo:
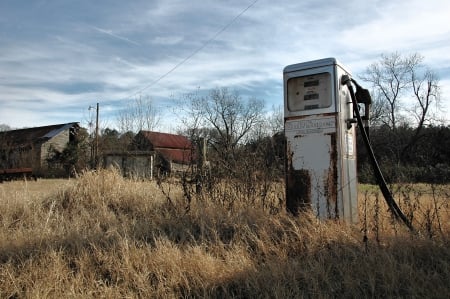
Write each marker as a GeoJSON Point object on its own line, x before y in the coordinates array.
{"type": "Point", "coordinates": [176, 155]}
{"type": "Point", "coordinates": [23, 137]}
{"type": "Point", "coordinates": [175, 148]}
{"type": "Point", "coordinates": [57, 130]}
{"type": "Point", "coordinates": [165, 140]}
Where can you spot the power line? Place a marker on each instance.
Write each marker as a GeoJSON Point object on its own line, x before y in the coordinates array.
{"type": "Point", "coordinates": [198, 49]}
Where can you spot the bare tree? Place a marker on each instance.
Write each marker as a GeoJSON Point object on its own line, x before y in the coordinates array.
{"type": "Point", "coordinates": [426, 91]}
{"type": "Point", "coordinates": [389, 78]}
{"type": "Point", "coordinates": [229, 119]}
{"type": "Point", "coordinates": [275, 119]}
{"type": "Point", "coordinates": [191, 118]}
{"type": "Point", "coordinates": [404, 91]}
{"type": "Point", "coordinates": [271, 124]}
{"type": "Point", "coordinates": [139, 114]}
{"type": "Point", "coordinates": [396, 79]}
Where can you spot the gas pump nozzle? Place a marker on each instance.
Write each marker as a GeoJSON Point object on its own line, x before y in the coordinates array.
{"type": "Point", "coordinates": [362, 97]}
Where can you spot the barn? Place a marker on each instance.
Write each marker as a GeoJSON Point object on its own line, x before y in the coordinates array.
{"type": "Point", "coordinates": [29, 149]}
{"type": "Point", "coordinates": [153, 153]}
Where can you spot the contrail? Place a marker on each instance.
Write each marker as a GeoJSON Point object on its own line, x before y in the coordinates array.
{"type": "Point", "coordinates": [110, 33]}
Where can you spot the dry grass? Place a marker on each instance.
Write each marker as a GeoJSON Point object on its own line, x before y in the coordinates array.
{"type": "Point", "coordinates": [426, 206]}
{"type": "Point", "coordinates": [101, 236]}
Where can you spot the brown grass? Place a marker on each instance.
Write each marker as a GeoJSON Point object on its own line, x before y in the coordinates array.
{"type": "Point", "coordinates": [101, 236]}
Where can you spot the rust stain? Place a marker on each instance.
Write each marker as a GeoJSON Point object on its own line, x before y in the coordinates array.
{"type": "Point", "coordinates": [298, 186]}
{"type": "Point", "coordinates": [298, 191]}
{"type": "Point", "coordinates": [331, 180]}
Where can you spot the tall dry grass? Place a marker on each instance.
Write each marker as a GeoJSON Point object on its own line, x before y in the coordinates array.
{"type": "Point", "coordinates": [101, 236]}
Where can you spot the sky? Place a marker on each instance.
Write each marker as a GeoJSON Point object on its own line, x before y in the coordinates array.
{"type": "Point", "coordinates": [60, 57]}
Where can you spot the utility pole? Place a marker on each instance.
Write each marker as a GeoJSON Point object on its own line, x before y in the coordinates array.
{"type": "Point", "coordinates": [95, 145]}
{"type": "Point", "coordinates": [96, 138]}
{"type": "Point", "coordinates": [201, 160]}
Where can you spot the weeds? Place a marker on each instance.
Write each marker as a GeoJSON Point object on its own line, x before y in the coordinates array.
{"type": "Point", "coordinates": [101, 236]}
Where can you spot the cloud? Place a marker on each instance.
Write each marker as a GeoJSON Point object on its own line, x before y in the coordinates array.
{"type": "Point", "coordinates": [401, 26]}
{"type": "Point", "coordinates": [65, 56]}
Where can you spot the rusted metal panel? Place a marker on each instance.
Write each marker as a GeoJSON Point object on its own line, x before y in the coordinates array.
{"type": "Point", "coordinates": [16, 173]}
{"type": "Point", "coordinates": [166, 140]}
{"type": "Point", "coordinates": [24, 170]}
{"type": "Point", "coordinates": [173, 148]}
{"type": "Point", "coordinates": [298, 190]}
{"type": "Point", "coordinates": [311, 170]}
{"type": "Point", "coordinates": [179, 156]}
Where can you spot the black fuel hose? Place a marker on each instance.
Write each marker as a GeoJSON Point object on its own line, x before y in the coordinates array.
{"type": "Point", "coordinates": [375, 166]}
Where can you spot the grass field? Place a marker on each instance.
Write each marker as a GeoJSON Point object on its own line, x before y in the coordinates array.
{"type": "Point", "coordinates": [101, 236]}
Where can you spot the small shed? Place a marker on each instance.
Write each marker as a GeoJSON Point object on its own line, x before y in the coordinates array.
{"type": "Point", "coordinates": [172, 152]}
{"type": "Point", "coordinates": [137, 164]}
{"type": "Point", "coordinates": [152, 154]}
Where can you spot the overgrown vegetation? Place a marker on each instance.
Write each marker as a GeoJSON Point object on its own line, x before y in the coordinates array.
{"type": "Point", "coordinates": [74, 158]}
{"type": "Point", "coordinates": [426, 161]}
{"type": "Point", "coordinates": [101, 236]}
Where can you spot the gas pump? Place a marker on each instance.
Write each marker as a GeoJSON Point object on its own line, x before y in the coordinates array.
{"type": "Point", "coordinates": [319, 128]}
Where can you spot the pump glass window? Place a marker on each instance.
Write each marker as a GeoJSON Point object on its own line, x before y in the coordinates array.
{"type": "Point", "coordinates": [309, 92]}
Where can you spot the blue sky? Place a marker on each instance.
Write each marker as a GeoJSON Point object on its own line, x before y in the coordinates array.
{"type": "Point", "coordinates": [58, 57]}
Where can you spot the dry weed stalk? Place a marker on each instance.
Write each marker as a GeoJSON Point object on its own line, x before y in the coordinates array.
{"type": "Point", "coordinates": [101, 236]}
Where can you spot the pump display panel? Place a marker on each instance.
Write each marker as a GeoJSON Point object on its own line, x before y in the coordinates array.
{"type": "Point", "coordinates": [309, 92]}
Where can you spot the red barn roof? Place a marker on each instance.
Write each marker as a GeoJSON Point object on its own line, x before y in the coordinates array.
{"type": "Point", "coordinates": [175, 148]}
{"type": "Point", "coordinates": [176, 155]}
{"type": "Point", "coordinates": [165, 140]}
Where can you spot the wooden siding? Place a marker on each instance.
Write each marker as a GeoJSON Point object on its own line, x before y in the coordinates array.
{"type": "Point", "coordinates": [58, 142]}
{"type": "Point", "coordinates": [136, 165]}
{"type": "Point", "coordinates": [29, 148]}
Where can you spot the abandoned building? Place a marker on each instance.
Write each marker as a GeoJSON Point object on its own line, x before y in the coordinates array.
{"type": "Point", "coordinates": [152, 154]}
{"type": "Point", "coordinates": [29, 149]}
